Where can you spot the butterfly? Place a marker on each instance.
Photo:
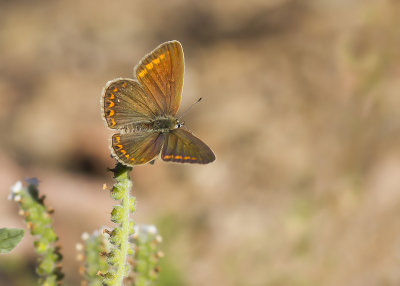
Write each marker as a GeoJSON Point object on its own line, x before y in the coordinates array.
{"type": "Point", "coordinates": [143, 112]}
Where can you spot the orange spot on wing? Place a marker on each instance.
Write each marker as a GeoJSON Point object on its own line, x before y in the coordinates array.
{"type": "Point", "coordinates": [120, 146]}
{"type": "Point", "coordinates": [178, 157]}
{"type": "Point", "coordinates": [113, 122]}
{"type": "Point", "coordinates": [142, 160]}
{"type": "Point", "coordinates": [112, 96]}
{"type": "Point", "coordinates": [186, 157]}
{"type": "Point", "coordinates": [156, 61]}
{"type": "Point", "coordinates": [115, 89]}
{"type": "Point", "coordinates": [167, 156]}
{"type": "Point", "coordinates": [127, 156]}
{"type": "Point", "coordinates": [143, 73]}
{"type": "Point", "coordinates": [123, 151]}
{"type": "Point", "coordinates": [124, 84]}
{"type": "Point", "coordinates": [118, 139]}
{"type": "Point", "coordinates": [149, 66]}
{"type": "Point", "coordinates": [162, 56]}
{"type": "Point", "coordinates": [194, 158]}
{"type": "Point", "coordinates": [111, 113]}
{"type": "Point", "coordinates": [111, 104]}
{"type": "Point", "coordinates": [132, 159]}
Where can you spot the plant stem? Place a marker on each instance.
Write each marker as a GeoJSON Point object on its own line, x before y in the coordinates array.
{"type": "Point", "coordinates": [126, 186]}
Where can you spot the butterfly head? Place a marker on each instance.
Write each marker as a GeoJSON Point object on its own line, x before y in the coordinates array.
{"type": "Point", "coordinates": [179, 124]}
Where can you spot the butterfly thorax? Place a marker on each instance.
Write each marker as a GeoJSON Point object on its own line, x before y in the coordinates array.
{"type": "Point", "coordinates": [164, 124]}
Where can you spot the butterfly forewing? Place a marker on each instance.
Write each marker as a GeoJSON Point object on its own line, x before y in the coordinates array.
{"type": "Point", "coordinates": [183, 147]}
{"type": "Point", "coordinates": [137, 148]}
{"type": "Point", "coordinates": [161, 74]}
{"type": "Point", "coordinates": [125, 102]}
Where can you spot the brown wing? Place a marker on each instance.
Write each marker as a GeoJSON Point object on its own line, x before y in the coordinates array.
{"type": "Point", "coordinates": [161, 74]}
{"type": "Point", "coordinates": [124, 102]}
{"type": "Point", "coordinates": [136, 148]}
{"type": "Point", "coordinates": [183, 147]}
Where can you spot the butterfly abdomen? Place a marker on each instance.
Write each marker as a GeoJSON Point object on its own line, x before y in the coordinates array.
{"type": "Point", "coordinates": [162, 124]}
{"type": "Point", "coordinates": [138, 127]}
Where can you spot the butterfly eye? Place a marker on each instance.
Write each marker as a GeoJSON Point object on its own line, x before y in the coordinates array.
{"type": "Point", "coordinates": [179, 124]}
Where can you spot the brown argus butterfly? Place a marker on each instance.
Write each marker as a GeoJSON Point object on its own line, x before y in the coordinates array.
{"type": "Point", "coordinates": [143, 112]}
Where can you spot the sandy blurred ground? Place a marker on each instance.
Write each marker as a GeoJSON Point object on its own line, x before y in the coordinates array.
{"type": "Point", "coordinates": [301, 106]}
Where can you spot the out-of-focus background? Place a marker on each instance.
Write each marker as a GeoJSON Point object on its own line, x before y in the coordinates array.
{"type": "Point", "coordinates": [301, 107]}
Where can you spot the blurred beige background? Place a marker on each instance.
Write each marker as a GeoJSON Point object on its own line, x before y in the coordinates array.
{"type": "Point", "coordinates": [301, 107]}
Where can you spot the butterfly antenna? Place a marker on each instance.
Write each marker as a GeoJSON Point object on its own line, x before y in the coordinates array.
{"type": "Point", "coordinates": [190, 107]}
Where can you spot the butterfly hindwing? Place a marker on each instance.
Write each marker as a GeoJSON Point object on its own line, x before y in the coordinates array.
{"type": "Point", "coordinates": [161, 75]}
{"type": "Point", "coordinates": [183, 147]}
{"type": "Point", "coordinates": [125, 102]}
{"type": "Point", "coordinates": [136, 148]}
